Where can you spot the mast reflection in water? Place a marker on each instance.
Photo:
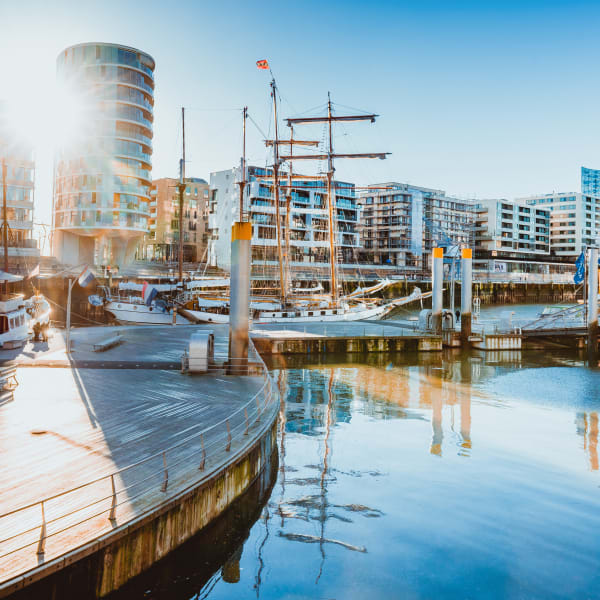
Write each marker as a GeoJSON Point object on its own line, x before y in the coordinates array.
{"type": "Point", "coordinates": [420, 477]}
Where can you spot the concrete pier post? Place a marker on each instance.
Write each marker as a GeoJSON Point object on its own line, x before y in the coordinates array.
{"type": "Point", "coordinates": [593, 304]}
{"type": "Point", "coordinates": [466, 294]}
{"type": "Point", "coordinates": [437, 272]}
{"type": "Point", "coordinates": [239, 303]}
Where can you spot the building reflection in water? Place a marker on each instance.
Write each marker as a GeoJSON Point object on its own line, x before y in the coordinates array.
{"type": "Point", "coordinates": [587, 427]}
{"type": "Point", "coordinates": [409, 392]}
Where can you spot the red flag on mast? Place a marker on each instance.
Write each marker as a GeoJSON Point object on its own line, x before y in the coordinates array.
{"type": "Point", "coordinates": [262, 64]}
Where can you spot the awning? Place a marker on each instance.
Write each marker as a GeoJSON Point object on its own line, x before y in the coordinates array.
{"type": "Point", "coordinates": [206, 283]}
{"type": "Point", "coordinates": [10, 277]}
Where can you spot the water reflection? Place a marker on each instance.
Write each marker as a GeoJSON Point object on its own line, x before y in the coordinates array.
{"type": "Point", "coordinates": [426, 476]}
{"type": "Point", "coordinates": [587, 428]}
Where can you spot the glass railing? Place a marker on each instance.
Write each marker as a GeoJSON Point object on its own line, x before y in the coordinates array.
{"type": "Point", "coordinates": [134, 135]}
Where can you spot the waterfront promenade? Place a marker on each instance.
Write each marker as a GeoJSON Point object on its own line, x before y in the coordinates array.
{"type": "Point", "coordinates": [127, 418]}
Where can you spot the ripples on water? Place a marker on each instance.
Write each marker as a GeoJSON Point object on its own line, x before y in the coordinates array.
{"type": "Point", "coordinates": [467, 477]}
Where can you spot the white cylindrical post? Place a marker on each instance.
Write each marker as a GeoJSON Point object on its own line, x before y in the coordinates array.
{"type": "Point", "coordinates": [593, 303]}
{"type": "Point", "coordinates": [466, 294]}
{"type": "Point", "coordinates": [239, 303]}
{"type": "Point", "coordinates": [437, 269]}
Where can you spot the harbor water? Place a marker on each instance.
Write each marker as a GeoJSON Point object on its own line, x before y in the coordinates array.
{"type": "Point", "coordinates": [454, 476]}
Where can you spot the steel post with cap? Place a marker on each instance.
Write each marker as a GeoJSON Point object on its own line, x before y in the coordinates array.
{"type": "Point", "coordinates": [437, 269]}
{"type": "Point", "coordinates": [239, 303]}
{"type": "Point", "coordinates": [466, 294]}
{"type": "Point", "coordinates": [592, 345]}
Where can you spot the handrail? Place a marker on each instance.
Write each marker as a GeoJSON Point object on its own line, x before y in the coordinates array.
{"type": "Point", "coordinates": [208, 441]}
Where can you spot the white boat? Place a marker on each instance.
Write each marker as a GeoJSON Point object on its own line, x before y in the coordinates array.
{"type": "Point", "coordinates": [309, 313]}
{"type": "Point", "coordinates": [18, 315]}
{"type": "Point", "coordinates": [134, 311]}
{"type": "Point", "coordinates": [14, 321]}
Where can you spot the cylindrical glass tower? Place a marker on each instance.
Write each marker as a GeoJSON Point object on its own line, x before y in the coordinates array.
{"type": "Point", "coordinates": [103, 169]}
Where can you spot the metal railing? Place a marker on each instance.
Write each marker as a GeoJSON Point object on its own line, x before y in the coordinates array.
{"type": "Point", "coordinates": [83, 512]}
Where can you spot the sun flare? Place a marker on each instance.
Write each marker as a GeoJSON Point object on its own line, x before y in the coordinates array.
{"type": "Point", "coordinates": [57, 120]}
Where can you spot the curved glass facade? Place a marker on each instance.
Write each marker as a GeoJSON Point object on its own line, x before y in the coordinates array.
{"type": "Point", "coordinates": [103, 173]}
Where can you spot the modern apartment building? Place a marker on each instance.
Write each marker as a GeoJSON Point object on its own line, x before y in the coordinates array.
{"type": "Point", "coordinates": [400, 224]}
{"type": "Point", "coordinates": [308, 222]}
{"type": "Point", "coordinates": [17, 156]}
{"type": "Point", "coordinates": [574, 221]}
{"type": "Point", "coordinates": [510, 236]}
{"type": "Point", "coordinates": [103, 174]}
{"type": "Point", "coordinates": [162, 241]}
{"type": "Point", "coordinates": [511, 228]}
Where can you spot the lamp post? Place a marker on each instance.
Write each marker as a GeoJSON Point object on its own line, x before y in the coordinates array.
{"type": "Point", "coordinates": [68, 335]}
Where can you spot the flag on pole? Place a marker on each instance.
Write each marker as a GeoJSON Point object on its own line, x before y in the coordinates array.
{"type": "Point", "coordinates": [262, 64]}
{"type": "Point", "coordinates": [148, 293]}
{"type": "Point", "coordinates": [35, 272]}
{"type": "Point", "coordinates": [579, 268]}
{"type": "Point", "coordinates": [86, 277]}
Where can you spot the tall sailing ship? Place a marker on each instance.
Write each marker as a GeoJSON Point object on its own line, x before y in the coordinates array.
{"type": "Point", "coordinates": [285, 303]}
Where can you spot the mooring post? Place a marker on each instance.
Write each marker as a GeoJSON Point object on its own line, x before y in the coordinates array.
{"type": "Point", "coordinates": [592, 345]}
{"type": "Point", "coordinates": [466, 295]}
{"type": "Point", "coordinates": [239, 304]}
{"type": "Point", "coordinates": [437, 276]}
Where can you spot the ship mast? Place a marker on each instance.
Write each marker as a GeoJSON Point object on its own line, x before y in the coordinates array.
{"type": "Point", "coordinates": [330, 203]}
{"type": "Point", "coordinates": [276, 196]}
{"type": "Point", "coordinates": [329, 157]}
{"type": "Point", "coordinates": [181, 187]}
{"type": "Point", "coordinates": [4, 227]}
{"type": "Point", "coordinates": [288, 206]}
{"type": "Point", "coordinates": [242, 182]}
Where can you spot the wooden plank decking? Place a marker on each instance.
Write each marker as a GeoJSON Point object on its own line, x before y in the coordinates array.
{"type": "Point", "coordinates": [66, 427]}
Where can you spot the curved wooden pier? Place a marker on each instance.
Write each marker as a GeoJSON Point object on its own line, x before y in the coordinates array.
{"type": "Point", "coordinates": [108, 470]}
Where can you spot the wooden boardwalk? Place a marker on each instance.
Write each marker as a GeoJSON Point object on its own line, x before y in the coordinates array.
{"type": "Point", "coordinates": [66, 427]}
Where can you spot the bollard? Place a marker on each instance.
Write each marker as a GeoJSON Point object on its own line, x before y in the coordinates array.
{"type": "Point", "coordinates": [239, 304]}
{"type": "Point", "coordinates": [592, 345]}
{"type": "Point", "coordinates": [437, 276]}
{"type": "Point", "coordinates": [466, 295]}
{"type": "Point", "coordinates": [174, 316]}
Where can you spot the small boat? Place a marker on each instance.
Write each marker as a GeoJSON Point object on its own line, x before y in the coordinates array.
{"type": "Point", "coordinates": [14, 321]}
{"type": "Point", "coordinates": [17, 317]}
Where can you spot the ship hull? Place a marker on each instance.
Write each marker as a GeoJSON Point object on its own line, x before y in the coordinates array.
{"type": "Point", "coordinates": [140, 314]}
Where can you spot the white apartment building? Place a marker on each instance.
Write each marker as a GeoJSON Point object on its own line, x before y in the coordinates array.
{"type": "Point", "coordinates": [308, 221]}
{"type": "Point", "coordinates": [512, 237]}
{"type": "Point", "coordinates": [512, 228]}
{"type": "Point", "coordinates": [574, 221]}
{"type": "Point", "coordinates": [17, 155]}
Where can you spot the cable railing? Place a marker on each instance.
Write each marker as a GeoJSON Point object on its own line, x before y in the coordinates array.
{"type": "Point", "coordinates": [95, 507]}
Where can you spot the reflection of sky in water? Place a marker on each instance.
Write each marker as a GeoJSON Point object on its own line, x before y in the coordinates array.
{"type": "Point", "coordinates": [473, 478]}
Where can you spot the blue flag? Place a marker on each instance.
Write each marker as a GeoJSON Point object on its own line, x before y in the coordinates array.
{"type": "Point", "coordinates": [579, 268]}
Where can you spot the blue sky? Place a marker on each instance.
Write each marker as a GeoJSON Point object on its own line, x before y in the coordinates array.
{"type": "Point", "coordinates": [485, 99]}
